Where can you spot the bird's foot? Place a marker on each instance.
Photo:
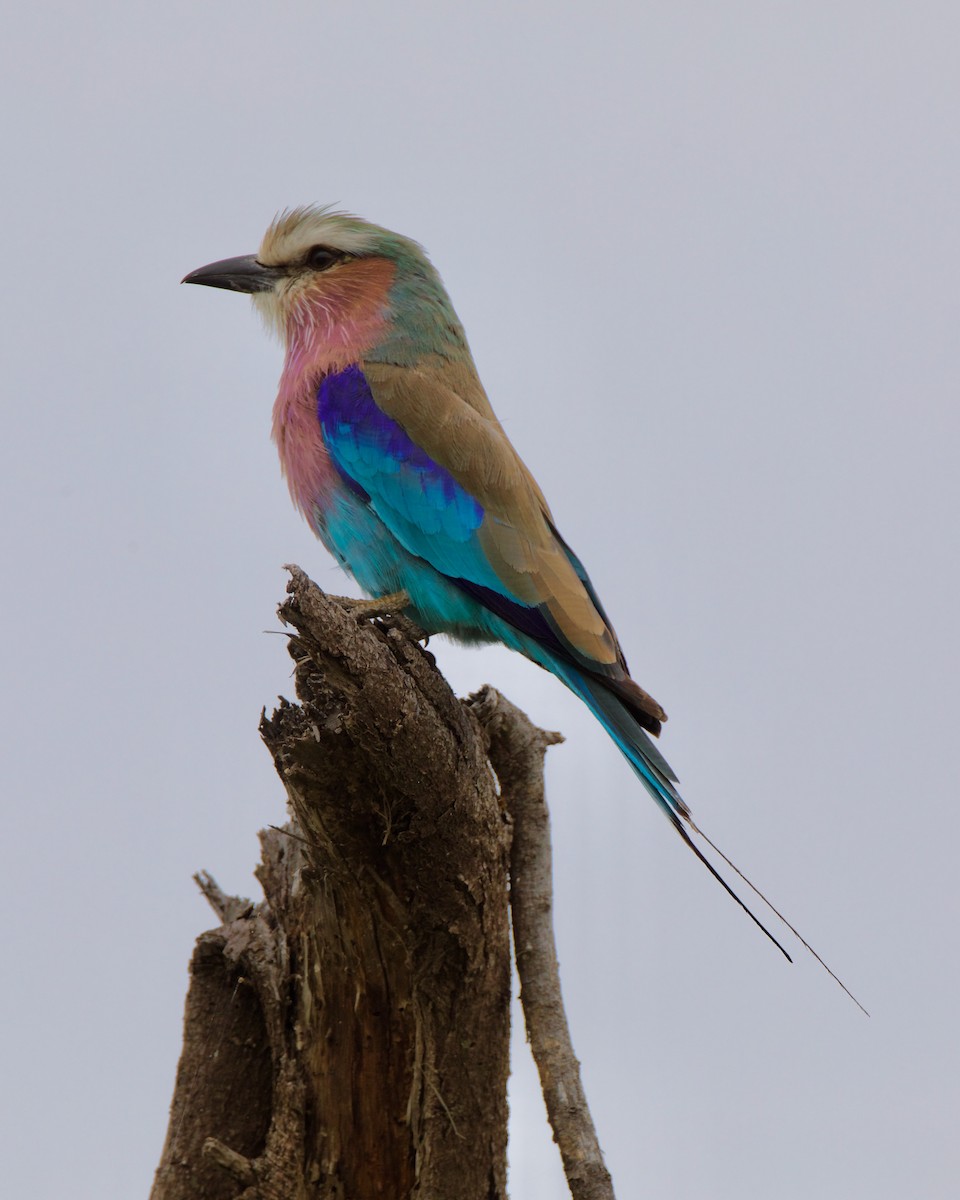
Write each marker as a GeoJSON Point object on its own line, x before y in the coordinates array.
{"type": "Point", "coordinates": [379, 606]}
{"type": "Point", "coordinates": [389, 610]}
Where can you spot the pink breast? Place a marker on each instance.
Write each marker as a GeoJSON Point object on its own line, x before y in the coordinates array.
{"type": "Point", "coordinates": [330, 327]}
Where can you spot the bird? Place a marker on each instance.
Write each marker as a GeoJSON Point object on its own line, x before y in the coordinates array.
{"type": "Point", "coordinates": [393, 453]}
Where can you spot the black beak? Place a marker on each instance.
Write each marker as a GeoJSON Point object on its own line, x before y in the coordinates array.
{"type": "Point", "coordinates": [243, 274]}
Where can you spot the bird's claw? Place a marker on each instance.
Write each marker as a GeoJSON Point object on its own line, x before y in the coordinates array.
{"type": "Point", "coordinates": [410, 629]}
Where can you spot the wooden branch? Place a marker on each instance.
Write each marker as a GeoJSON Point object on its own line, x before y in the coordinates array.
{"type": "Point", "coordinates": [227, 908]}
{"type": "Point", "coordinates": [517, 749]}
{"type": "Point", "coordinates": [239, 1167]}
{"type": "Point", "coordinates": [347, 1038]}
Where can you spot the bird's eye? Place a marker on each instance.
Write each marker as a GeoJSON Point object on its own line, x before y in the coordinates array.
{"type": "Point", "coordinates": [320, 257]}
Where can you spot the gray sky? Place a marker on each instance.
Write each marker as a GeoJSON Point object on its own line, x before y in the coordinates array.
{"type": "Point", "coordinates": [707, 258]}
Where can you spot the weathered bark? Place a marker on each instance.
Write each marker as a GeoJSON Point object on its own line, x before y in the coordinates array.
{"type": "Point", "coordinates": [517, 748]}
{"type": "Point", "coordinates": [348, 1037]}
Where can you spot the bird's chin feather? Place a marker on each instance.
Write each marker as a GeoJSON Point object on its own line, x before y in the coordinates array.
{"type": "Point", "coordinates": [277, 305]}
{"type": "Point", "coordinates": [271, 310]}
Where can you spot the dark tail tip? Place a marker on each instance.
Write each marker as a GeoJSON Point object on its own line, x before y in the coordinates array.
{"type": "Point", "coordinates": [776, 912]}
{"type": "Point", "coordinates": [726, 886]}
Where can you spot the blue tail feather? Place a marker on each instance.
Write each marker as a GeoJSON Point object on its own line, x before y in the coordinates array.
{"type": "Point", "coordinates": [652, 769]}
{"type": "Point", "coordinates": [632, 741]}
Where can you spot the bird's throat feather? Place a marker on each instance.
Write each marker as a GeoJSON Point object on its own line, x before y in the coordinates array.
{"type": "Point", "coordinates": [329, 327]}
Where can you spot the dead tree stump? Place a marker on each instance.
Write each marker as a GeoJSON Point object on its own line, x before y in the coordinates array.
{"type": "Point", "coordinates": [348, 1036]}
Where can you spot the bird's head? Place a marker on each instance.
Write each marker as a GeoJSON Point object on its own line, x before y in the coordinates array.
{"type": "Point", "coordinates": [343, 282]}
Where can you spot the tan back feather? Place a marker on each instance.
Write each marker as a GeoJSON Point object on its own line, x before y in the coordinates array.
{"type": "Point", "coordinates": [442, 406]}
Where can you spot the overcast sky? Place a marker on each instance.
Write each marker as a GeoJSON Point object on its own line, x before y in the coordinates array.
{"type": "Point", "coordinates": [707, 256]}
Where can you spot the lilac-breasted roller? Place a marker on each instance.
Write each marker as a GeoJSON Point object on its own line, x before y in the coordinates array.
{"type": "Point", "coordinates": [394, 455]}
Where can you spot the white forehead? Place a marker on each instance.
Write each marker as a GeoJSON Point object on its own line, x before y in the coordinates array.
{"type": "Point", "coordinates": [293, 233]}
